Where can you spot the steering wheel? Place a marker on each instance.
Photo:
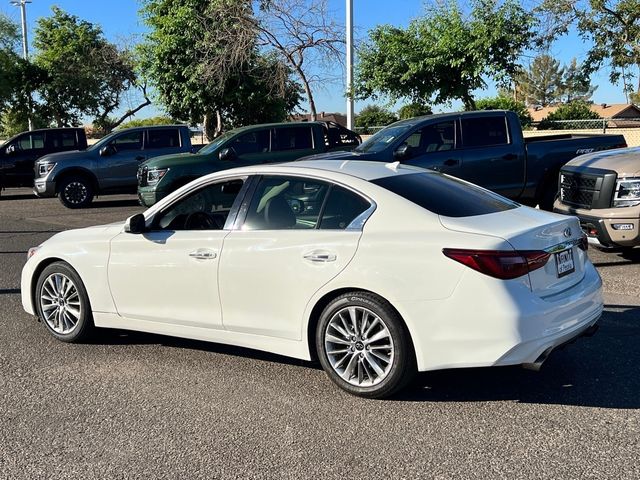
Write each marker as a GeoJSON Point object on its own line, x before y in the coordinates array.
{"type": "Point", "coordinates": [201, 221]}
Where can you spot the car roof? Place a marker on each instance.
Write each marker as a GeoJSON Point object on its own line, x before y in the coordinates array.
{"type": "Point", "coordinates": [365, 170]}
{"type": "Point", "coordinates": [435, 116]}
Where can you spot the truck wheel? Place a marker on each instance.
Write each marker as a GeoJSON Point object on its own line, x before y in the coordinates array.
{"type": "Point", "coordinates": [548, 196]}
{"type": "Point", "coordinates": [76, 192]}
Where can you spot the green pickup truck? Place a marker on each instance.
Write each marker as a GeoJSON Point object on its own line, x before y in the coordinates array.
{"type": "Point", "coordinates": [255, 144]}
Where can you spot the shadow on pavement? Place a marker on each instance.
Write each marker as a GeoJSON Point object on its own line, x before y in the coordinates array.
{"type": "Point", "coordinates": [114, 203]}
{"type": "Point", "coordinates": [21, 196]}
{"type": "Point", "coordinates": [600, 371]}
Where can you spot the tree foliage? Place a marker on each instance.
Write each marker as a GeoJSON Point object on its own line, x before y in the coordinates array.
{"type": "Point", "coordinates": [445, 54]}
{"type": "Point", "coordinates": [502, 102]}
{"type": "Point", "coordinates": [612, 27]}
{"type": "Point", "coordinates": [576, 83]}
{"type": "Point", "coordinates": [85, 74]}
{"type": "Point", "coordinates": [411, 110]}
{"type": "Point", "coordinates": [205, 65]}
{"type": "Point", "coordinates": [374, 116]}
{"type": "Point", "coordinates": [541, 84]}
{"type": "Point", "coordinates": [576, 110]}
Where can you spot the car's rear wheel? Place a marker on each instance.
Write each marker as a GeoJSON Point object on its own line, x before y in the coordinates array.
{"type": "Point", "coordinates": [62, 303]}
{"type": "Point", "coordinates": [363, 346]}
{"type": "Point", "coordinates": [76, 192]}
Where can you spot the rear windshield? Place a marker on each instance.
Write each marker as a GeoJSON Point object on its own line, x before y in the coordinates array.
{"type": "Point", "coordinates": [445, 195]}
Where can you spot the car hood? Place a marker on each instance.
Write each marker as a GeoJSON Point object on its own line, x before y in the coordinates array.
{"type": "Point", "coordinates": [624, 161]}
{"type": "Point", "coordinates": [184, 159]}
{"type": "Point", "coordinates": [61, 156]}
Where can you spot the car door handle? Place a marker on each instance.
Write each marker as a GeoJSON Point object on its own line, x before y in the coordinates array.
{"type": "Point", "coordinates": [510, 156]}
{"type": "Point", "coordinates": [203, 254]}
{"type": "Point", "coordinates": [317, 257]}
{"type": "Point", "coordinates": [451, 162]}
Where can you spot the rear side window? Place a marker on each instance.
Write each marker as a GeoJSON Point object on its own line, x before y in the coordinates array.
{"type": "Point", "coordinates": [164, 138]}
{"type": "Point", "coordinates": [293, 138]}
{"type": "Point", "coordinates": [341, 208]}
{"type": "Point", "coordinates": [484, 131]}
{"type": "Point", "coordinates": [61, 139]}
{"type": "Point", "coordinates": [445, 195]}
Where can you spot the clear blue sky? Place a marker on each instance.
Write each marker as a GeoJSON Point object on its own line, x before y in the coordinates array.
{"type": "Point", "coordinates": [119, 19]}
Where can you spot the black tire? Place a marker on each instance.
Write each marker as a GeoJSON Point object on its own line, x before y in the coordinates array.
{"type": "Point", "coordinates": [548, 196]}
{"type": "Point", "coordinates": [398, 372]}
{"type": "Point", "coordinates": [76, 192]}
{"type": "Point", "coordinates": [76, 300]}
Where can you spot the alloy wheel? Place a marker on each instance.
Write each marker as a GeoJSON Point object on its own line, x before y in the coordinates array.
{"type": "Point", "coordinates": [60, 303]}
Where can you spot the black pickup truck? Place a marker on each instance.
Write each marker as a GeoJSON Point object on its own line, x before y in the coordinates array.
{"type": "Point", "coordinates": [484, 147]}
{"type": "Point", "coordinates": [19, 153]}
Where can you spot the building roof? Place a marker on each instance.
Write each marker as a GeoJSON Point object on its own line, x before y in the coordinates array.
{"type": "Point", "coordinates": [605, 110]}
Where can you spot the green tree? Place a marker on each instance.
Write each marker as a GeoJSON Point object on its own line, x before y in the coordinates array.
{"type": "Point", "coordinates": [576, 84]}
{"type": "Point", "coordinates": [86, 75]}
{"type": "Point", "coordinates": [445, 54]}
{"type": "Point", "coordinates": [502, 102]}
{"type": "Point", "coordinates": [568, 111]}
{"type": "Point", "coordinates": [611, 26]}
{"type": "Point", "coordinates": [541, 84]}
{"type": "Point", "coordinates": [374, 116]}
{"type": "Point", "coordinates": [411, 110]}
{"type": "Point", "coordinates": [144, 122]}
{"type": "Point", "coordinates": [8, 59]}
{"type": "Point", "coordinates": [205, 65]}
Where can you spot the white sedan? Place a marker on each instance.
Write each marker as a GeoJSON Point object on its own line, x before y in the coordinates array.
{"type": "Point", "coordinates": [376, 270]}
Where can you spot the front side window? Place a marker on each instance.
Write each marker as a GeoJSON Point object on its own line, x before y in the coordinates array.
{"type": "Point", "coordinates": [432, 138]}
{"type": "Point", "coordinates": [33, 141]}
{"type": "Point", "coordinates": [293, 138]}
{"type": "Point", "coordinates": [128, 141]}
{"type": "Point", "coordinates": [205, 209]}
{"type": "Point", "coordinates": [484, 131]}
{"type": "Point", "coordinates": [286, 203]}
{"type": "Point", "coordinates": [252, 142]}
{"type": "Point", "coordinates": [164, 138]}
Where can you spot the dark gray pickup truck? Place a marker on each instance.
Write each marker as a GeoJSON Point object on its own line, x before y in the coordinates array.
{"type": "Point", "coordinates": [109, 166]}
{"type": "Point", "coordinates": [485, 147]}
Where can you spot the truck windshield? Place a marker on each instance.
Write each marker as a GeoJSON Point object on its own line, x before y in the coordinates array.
{"type": "Point", "coordinates": [217, 142]}
{"type": "Point", "coordinates": [382, 139]}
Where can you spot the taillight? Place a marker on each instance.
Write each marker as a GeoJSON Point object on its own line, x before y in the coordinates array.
{"type": "Point", "coordinates": [504, 265]}
{"type": "Point", "coordinates": [583, 243]}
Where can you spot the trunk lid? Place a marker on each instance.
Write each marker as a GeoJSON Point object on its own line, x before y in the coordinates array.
{"type": "Point", "coordinates": [530, 229]}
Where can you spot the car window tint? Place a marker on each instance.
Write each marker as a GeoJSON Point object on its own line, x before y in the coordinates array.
{"type": "Point", "coordinates": [252, 142]}
{"type": "Point", "coordinates": [432, 138]}
{"type": "Point", "coordinates": [31, 142]}
{"type": "Point", "coordinates": [61, 139]}
{"type": "Point", "coordinates": [483, 131]}
{"type": "Point", "coordinates": [163, 138]}
{"type": "Point", "coordinates": [336, 135]}
{"type": "Point", "coordinates": [445, 195]}
{"type": "Point", "coordinates": [293, 138]}
{"type": "Point", "coordinates": [342, 208]}
{"type": "Point", "coordinates": [68, 139]}
{"type": "Point", "coordinates": [205, 209]}
{"type": "Point", "coordinates": [128, 141]}
{"type": "Point", "coordinates": [281, 203]}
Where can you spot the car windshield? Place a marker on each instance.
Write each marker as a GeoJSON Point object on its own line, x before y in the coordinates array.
{"type": "Point", "coordinates": [217, 142]}
{"type": "Point", "coordinates": [103, 141]}
{"type": "Point", "coordinates": [382, 139]}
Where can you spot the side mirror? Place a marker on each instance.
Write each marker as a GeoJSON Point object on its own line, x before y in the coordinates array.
{"type": "Point", "coordinates": [135, 224]}
{"type": "Point", "coordinates": [403, 152]}
{"type": "Point", "coordinates": [227, 154]}
{"type": "Point", "coordinates": [11, 149]}
{"type": "Point", "coordinates": [107, 151]}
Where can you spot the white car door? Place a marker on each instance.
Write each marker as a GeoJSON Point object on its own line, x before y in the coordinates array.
{"type": "Point", "coordinates": [298, 234]}
{"type": "Point", "coordinates": [169, 274]}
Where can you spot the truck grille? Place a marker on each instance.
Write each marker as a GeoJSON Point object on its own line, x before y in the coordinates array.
{"type": "Point", "coordinates": [142, 176]}
{"type": "Point", "coordinates": [587, 190]}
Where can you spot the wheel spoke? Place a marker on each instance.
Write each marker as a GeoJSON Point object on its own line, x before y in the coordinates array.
{"type": "Point", "coordinates": [380, 356]}
{"type": "Point", "coordinates": [374, 365]}
{"type": "Point", "coordinates": [340, 330]}
{"type": "Point", "coordinates": [371, 327]}
{"type": "Point", "coordinates": [354, 320]}
{"type": "Point", "coordinates": [360, 372]}
{"type": "Point", "coordinates": [334, 339]}
{"type": "Point", "coordinates": [348, 371]}
{"type": "Point", "coordinates": [379, 336]}
{"type": "Point", "coordinates": [73, 312]}
{"type": "Point", "coordinates": [337, 365]}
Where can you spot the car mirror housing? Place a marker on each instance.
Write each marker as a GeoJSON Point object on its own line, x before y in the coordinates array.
{"type": "Point", "coordinates": [227, 154]}
{"type": "Point", "coordinates": [11, 149]}
{"type": "Point", "coordinates": [403, 152]}
{"type": "Point", "coordinates": [135, 224]}
{"type": "Point", "coordinates": [107, 150]}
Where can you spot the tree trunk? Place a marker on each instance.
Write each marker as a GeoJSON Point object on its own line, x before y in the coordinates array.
{"type": "Point", "coordinates": [307, 91]}
{"type": "Point", "coordinates": [469, 102]}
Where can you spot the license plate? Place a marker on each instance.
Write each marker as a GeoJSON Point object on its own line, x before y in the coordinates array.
{"type": "Point", "coordinates": [564, 262]}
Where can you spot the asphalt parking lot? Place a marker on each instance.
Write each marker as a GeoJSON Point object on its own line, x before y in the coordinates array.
{"type": "Point", "coordinates": [132, 405]}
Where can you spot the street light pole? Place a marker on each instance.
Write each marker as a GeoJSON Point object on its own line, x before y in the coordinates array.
{"type": "Point", "coordinates": [349, 64]}
{"type": "Point", "coordinates": [25, 44]}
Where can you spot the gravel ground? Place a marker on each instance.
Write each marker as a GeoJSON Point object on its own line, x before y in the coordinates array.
{"type": "Point", "coordinates": [132, 405]}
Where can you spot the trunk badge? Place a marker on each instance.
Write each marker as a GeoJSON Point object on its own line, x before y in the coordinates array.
{"type": "Point", "coordinates": [567, 232]}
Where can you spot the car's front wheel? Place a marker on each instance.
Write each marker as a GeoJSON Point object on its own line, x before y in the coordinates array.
{"type": "Point", "coordinates": [62, 303]}
{"type": "Point", "coordinates": [363, 346]}
{"type": "Point", "coordinates": [76, 192]}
